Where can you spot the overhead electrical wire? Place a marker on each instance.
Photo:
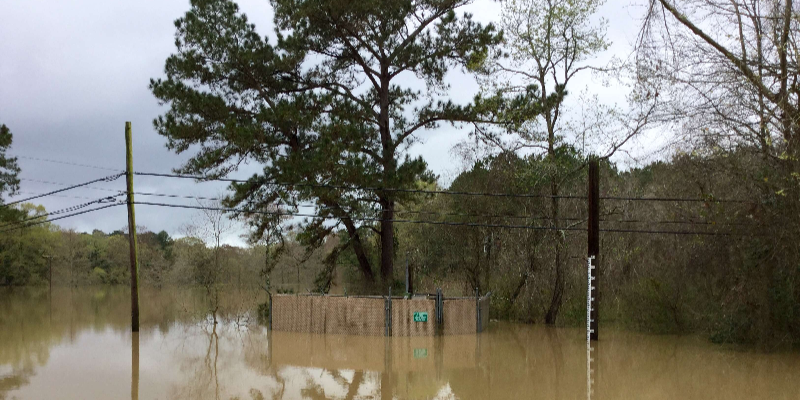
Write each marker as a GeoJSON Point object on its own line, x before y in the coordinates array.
{"type": "Point", "coordinates": [445, 192]}
{"type": "Point", "coordinates": [675, 199]}
{"type": "Point", "coordinates": [62, 211]}
{"type": "Point", "coordinates": [362, 219]}
{"type": "Point", "coordinates": [374, 219]}
{"type": "Point", "coordinates": [68, 163]}
{"type": "Point", "coordinates": [104, 179]}
{"type": "Point", "coordinates": [366, 188]}
{"type": "Point", "coordinates": [418, 212]}
{"type": "Point", "coordinates": [447, 223]}
{"type": "Point", "coordinates": [61, 217]}
{"type": "Point", "coordinates": [423, 191]}
{"type": "Point", "coordinates": [55, 195]}
{"type": "Point", "coordinates": [639, 221]}
{"type": "Point", "coordinates": [706, 233]}
{"type": "Point", "coordinates": [67, 184]}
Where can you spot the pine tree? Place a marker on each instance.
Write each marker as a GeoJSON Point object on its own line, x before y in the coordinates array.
{"type": "Point", "coordinates": [330, 108]}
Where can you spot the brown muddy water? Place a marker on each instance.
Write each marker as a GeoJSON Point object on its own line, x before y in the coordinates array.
{"type": "Point", "coordinates": [78, 345]}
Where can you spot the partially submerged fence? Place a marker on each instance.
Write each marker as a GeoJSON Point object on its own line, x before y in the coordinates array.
{"type": "Point", "coordinates": [426, 315]}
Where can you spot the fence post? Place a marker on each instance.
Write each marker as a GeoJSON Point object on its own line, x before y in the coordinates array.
{"type": "Point", "coordinates": [477, 311]}
{"type": "Point", "coordinates": [270, 311]}
{"type": "Point", "coordinates": [388, 319]}
{"type": "Point", "coordinates": [593, 292]}
{"type": "Point", "coordinates": [390, 311]}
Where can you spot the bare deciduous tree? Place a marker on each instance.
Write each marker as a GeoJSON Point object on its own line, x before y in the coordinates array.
{"type": "Point", "coordinates": [727, 71]}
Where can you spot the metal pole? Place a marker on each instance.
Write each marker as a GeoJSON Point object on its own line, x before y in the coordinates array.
{"type": "Point", "coordinates": [387, 326]}
{"type": "Point", "coordinates": [132, 230]}
{"type": "Point", "coordinates": [270, 314]}
{"type": "Point", "coordinates": [593, 203]}
{"type": "Point", "coordinates": [477, 311]}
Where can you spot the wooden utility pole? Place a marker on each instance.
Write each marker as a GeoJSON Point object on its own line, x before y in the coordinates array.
{"type": "Point", "coordinates": [132, 230]}
{"type": "Point", "coordinates": [593, 203]}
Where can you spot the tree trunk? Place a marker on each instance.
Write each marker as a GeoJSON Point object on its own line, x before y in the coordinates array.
{"type": "Point", "coordinates": [389, 171]}
{"type": "Point", "coordinates": [558, 285]}
{"type": "Point", "coordinates": [387, 243]}
{"type": "Point", "coordinates": [358, 249]}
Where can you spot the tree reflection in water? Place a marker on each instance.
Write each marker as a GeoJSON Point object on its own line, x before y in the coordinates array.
{"type": "Point", "coordinates": [134, 365]}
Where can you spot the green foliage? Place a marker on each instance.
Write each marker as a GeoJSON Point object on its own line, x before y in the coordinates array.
{"type": "Point", "coordinates": [22, 252]}
{"type": "Point", "coordinates": [9, 175]}
{"type": "Point", "coordinates": [9, 170]}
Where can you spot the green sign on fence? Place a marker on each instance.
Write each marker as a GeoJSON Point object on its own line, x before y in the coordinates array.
{"type": "Point", "coordinates": [420, 316]}
{"type": "Point", "coordinates": [420, 353]}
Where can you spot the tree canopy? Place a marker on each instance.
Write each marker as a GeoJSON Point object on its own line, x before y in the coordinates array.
{"type": "Point", "coordinates": [9, 173]}
{"type": "Point", "coordinates": [327, 111]}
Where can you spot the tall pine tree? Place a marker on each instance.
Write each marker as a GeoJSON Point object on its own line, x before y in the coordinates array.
{"type": "Point", "coordinates": [329, 110]}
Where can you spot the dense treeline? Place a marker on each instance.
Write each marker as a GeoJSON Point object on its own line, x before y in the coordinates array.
{"type": "Point", "coordinates": [98, 258]}
{"type": "Point", "coordinates": [737, 281]}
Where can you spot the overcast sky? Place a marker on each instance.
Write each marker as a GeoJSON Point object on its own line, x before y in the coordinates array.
{"type": "Point", "coordinates": [72, 72]}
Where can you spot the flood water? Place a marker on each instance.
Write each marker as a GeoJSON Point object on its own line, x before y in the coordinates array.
{"type": "Point", "coordinates": [78, 345]}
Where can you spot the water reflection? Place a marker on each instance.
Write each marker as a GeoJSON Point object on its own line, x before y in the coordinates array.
{"type": "Point", "coordinates": [82, 352]}
{"type": "Point", "coordinates": [135, 366]}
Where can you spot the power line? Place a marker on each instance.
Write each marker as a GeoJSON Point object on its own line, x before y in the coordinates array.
{"type": "Point", "coordinates": [61, 217]}
{"type": "Point", "coordinates": [105, 179]}
{"type": "Point", "coordinates": [56, 195]}
{"type": "Point", "coordinates": [474, 215]}
{"type": "Point", "coordinates": [677, 232]}
{"type": "Point", "coordinates": [179, 196]}
{"type": "Point", "coordinates": [446, 214]}
{"type": "Point", "coordinates": [398, 211]}
{"type": "Point", "coordinates": [361, 219]}
{"type": "Point", "coordinates": [366, 188]}
{"type": "Point", "coordinates": [63, 210]}
{"type": "Point", "coordinates": [440, 213]}
{"type": "Point", "coordinates": [521, 195]}
{"type": "Point", "coordinates": [675, 199]}
{"type": "Point", "coordinates": [637, 221]}
{"type": "Point", "coordinates": [67, 184]}
{"type": "Point", "coordinates": [446, 192]}
{"type": "Point", "coordinates": [428, 222]}
{"type": "Point", "coordinates": [68, 163]}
